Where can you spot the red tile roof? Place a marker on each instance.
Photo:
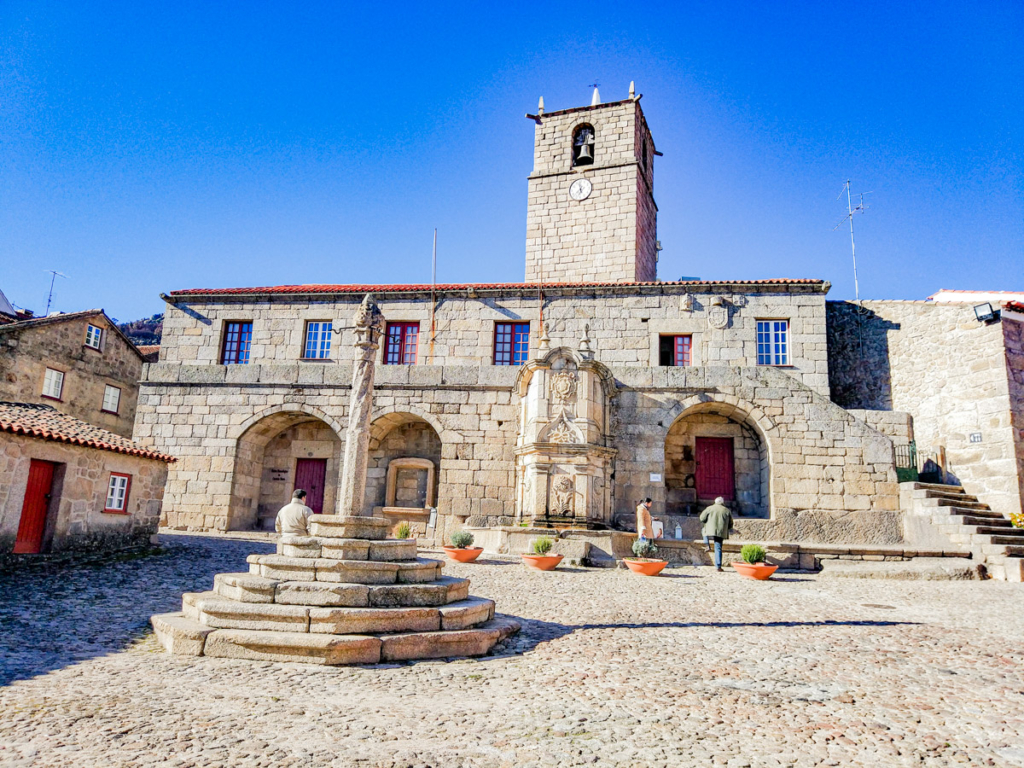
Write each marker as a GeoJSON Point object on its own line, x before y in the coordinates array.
{"type": "Point", "coordinates": [45, 422]}
{"type": "Point", "coordinates": [1014, 306]}
{"type": "Point", "coordinates": [444, 287]}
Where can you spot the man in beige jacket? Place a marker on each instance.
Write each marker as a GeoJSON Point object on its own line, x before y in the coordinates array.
{"type": "Point", "coordinates": [292, 518]}
{"type": "Point", "coordinates": [644, 526]}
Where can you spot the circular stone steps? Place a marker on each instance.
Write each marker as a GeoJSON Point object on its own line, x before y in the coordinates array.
{"type": "Point", "coordinates": [377, 601]}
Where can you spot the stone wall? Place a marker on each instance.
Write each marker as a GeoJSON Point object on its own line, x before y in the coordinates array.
{"type": "Point", "coordinates": [625, 327]}
{"type": "Point", "coordinates": [949, 371]}
{"type": "Point", "coordinates": [77, 520]}
{"type": "Point", "coordinates": [1013, 339]}
{"type": "Point", "coordinates": [26, 353]}
{"type": "Point", "coordinates": [824, 464]}
{"type": "Point", "coordinates": [406, 439]}
{"type": "Point", "coordinates": [308, 440]}
{"type": "Point", "coordinates": [609, 236]}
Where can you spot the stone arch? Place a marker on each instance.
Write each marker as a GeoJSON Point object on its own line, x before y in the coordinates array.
{"type": "Point", "coordinates": [270, 450]}
{"type": "Point", "coordinates": [753, 439]}
{"type": "Point", "coordinates": [403, 436]}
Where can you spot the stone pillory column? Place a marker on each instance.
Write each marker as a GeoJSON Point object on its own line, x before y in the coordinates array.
{"type": "Point", "coordinates": [369, 327]}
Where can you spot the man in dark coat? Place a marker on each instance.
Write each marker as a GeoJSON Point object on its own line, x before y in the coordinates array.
{"type": "Point", "coordinates": [717, 521]}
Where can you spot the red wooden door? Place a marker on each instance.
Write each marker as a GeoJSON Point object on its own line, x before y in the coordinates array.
{"type": "Point", "coordinates": [309, 476]}
{"type": "Point", "coordinates": [715, 475]}
{"type": "Point", "coordinates": [33, 510]}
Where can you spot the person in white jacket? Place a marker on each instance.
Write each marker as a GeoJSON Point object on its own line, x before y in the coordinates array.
{"type": "Point", "coordinates": [292, 519]}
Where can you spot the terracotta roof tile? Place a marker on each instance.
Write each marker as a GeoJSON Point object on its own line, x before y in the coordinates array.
{"type": "Point", "coordinates": [424, 287]}
{"type": "Point", "coordinates": [45, 422]}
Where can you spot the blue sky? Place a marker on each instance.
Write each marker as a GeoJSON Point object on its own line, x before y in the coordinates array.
{"type": "Point", "coordinates": [148, 147]}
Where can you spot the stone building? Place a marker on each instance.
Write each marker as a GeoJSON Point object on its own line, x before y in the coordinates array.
{"type": "Point", "coordinates": [80, 363]}
{"type": "Point", "coordinates": [558, 402]}
{"type": "Point", "coordinates": [66, 485]}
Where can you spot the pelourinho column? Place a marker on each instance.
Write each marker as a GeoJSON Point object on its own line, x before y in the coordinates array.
{"type": "Point", "coordinates": [369, 327]}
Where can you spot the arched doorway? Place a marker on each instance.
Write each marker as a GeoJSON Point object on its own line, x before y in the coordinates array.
{"type": "Point", "coordinates": [715, 450]}
{"type": "Point", "coordinates": [274, 456]}
{"type": "Point", "coordinates": [403, 469]}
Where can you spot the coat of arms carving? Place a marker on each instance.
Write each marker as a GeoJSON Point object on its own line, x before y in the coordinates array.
{"type": "Point", "coordinates": [563, 495]}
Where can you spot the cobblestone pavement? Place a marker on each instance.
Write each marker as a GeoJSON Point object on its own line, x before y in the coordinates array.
{"type": "Point", "coordinates": [695, 668]}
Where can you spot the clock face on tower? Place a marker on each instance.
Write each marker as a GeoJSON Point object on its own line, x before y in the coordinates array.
{"type": "Point", "coordinates": [580, 189]}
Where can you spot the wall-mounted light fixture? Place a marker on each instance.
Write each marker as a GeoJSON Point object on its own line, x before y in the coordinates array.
{"type": "Point", "coordinates": [985, 314]}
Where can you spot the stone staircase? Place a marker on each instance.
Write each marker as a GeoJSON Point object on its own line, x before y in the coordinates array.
{"type": "Point", "coordinates": [969, 523]}
{"type": "Point", "coordinates": [344, 595]}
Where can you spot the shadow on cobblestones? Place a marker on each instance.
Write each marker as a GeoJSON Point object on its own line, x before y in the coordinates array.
{"type": "Point", "coordinates": [55, 616]}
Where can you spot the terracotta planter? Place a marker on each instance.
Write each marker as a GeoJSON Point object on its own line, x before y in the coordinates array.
{"type": "Point", "coordinates": [759, 571]}
{"type": "Point", "coordinates": [542, 562]}
{"type": "Point", "coordinates": [463, 554]}
{"type": "Point", "coordinates": [646, 567]}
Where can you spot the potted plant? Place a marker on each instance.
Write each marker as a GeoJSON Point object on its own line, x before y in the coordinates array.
{"type": "Point", "coordinates": [539, 557]}
{"type": "Point", "coordinates": [461, 549]}
{"type": "Point", "coordinates": [403, 530]}
{"type": "Point", "coordinates": [753, 565]}
{"type": "Point", "coordinates": [644, 561]}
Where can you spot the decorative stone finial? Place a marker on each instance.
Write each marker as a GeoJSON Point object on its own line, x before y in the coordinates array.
{"type": "Point", "coordinates": [544, 344]}
{"type": "Point", "coordinates": [585, 350]}
{"type": "Point", "coordinates": [632, 90]}
{"type": "Point", "coordinates": [686, 303]}
{"type": "Point", "coordinates": [540, 107]}
{"type": "Point", "coordinates": [596, 98]}
{"type": "Point", "coordinates": [369, 322]}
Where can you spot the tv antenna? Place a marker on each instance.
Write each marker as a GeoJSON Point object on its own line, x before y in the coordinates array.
{"type": "Point", "coordinates": [54, 274]}
{"type": "Point", "coordinates": [850, 210]}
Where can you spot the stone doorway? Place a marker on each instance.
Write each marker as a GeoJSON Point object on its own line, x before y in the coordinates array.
{"type": "Point", "coordinates": [402, 473]}
{"type": "Point", "coordinates": [709, 454]}
{"type": "Point", "coordinates": [268, 459]}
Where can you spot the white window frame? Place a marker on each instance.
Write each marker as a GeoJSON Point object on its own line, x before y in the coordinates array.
{"type": "Point", "coordinates": [89, 336]}
{"type": "Point", "coordinates": [773, 339]}
{"type": "Point", "coordinates": [118, 487]}
{"type": "Point", "coordinates": [318, 348]}
{"type": "Point", "coordinates": [48, 386]}
{"type": "Point", "coordinates": [117, 399]}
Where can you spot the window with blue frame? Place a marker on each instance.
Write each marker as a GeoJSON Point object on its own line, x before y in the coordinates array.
{"type": "Point", "coordinates": [318, 340]}
{"type": "Point", "coordinates": [773, 342]}
{"type": "Point", "coordinates": [511, 343]}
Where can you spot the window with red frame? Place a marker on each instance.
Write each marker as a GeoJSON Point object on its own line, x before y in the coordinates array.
{"type": "Point", "coordinates": [675, 350]}
{"type": "Point", "coordinates": [402, 340]}
{"type": "Point", "coordinates": [237, 340]}
{"type": "Point", "coordinates": [118, 488]}
{"type": "Point", "coordinates": [511, 343]}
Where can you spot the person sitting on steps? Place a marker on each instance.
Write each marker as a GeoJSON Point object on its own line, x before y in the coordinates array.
{"type": "Point", "coordinates": [292, 519]}
{"type": "Point", "coordinates": [717, 521]}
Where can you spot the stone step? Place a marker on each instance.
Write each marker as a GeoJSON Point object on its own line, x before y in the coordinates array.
{"type": "Point", "coordinates": [421, 612]}
{"type": "Point", "coordinates": [349, 527]}
{"type": "Point", "coordinates": [1004, 540]}
{"type": "Point", "coordinates": [994, 530]}
{"type": "Point", "coordinates": [459, 615]}
{"type": "Point", "coordinates": [179, 635]}
{"type": "Point", "coordinates": [938, 487]}
{"type": "Point", "coordinates": [958, 503]}
{"type": "Point", "coordinates": [388, 550]}
{"type": "Point", "coordinates": [337, 650]}
{"type": "Point", "coordinates": [986, 513]}
{"type": "Point", "coordinates": [245, 587]}
{"type": "Point", "coordinates": [345, 571]}
{"type": "Point", "coordinates": [995, 522]}
{"type": "Point", "coordinates": [928, 493]}
{"type": "Point", "coordinates": [1006, 568]}
{"type": "Point", "coordinates": [1013, 550]}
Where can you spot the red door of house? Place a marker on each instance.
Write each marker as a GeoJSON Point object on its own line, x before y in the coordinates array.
{"type": "Point", "coordinates": [715, 475]}
{"type": "Point", "coordinates": [33, 509]}
{"type": "Point", "coordinates": [309, 476]}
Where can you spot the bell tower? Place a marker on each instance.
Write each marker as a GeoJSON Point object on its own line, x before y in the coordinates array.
{"type": "Point", "coordinates": [590, 214]}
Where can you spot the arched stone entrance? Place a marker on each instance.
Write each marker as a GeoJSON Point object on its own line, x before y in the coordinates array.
{"type": "Point", "coordinates": [277, 453]}
{"type": "Point", "coordinates": [712, 450]}
{"type": "Point", "coordinates": [411, 448]}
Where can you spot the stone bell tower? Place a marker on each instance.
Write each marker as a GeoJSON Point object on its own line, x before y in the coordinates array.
{"type": "Point", "coordinates": [591, 215]}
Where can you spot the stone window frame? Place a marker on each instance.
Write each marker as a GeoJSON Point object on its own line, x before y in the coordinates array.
{"type": "Point", "coordinates": [409, 462]}
{"type": "Point", "coordinates": [675, 353]}
{"type": "Point", "coordinates": [305, 341]}
{"type": "Point", "coordinates": [59, 397]}
{"type": "Point", "coordinates": [525, 353]}
{"type": "Point", "coordinates": [771, 359]}
{"type": "Point", "coordinates": [402, 352]}
{"type": "Point", "coordinates": [224, 342]}
{"type": "Point", "coordinates": [123, 509]}
{"type": "Point", "coordinates": [692, 327]}
{"type": "Point", "coordinates": [117, 406]}
{"type": "Point", "coordinates": [98, 346]}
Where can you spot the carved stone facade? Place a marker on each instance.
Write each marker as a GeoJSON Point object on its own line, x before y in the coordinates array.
{"type": "Point", "coordinates": [564, 461]}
